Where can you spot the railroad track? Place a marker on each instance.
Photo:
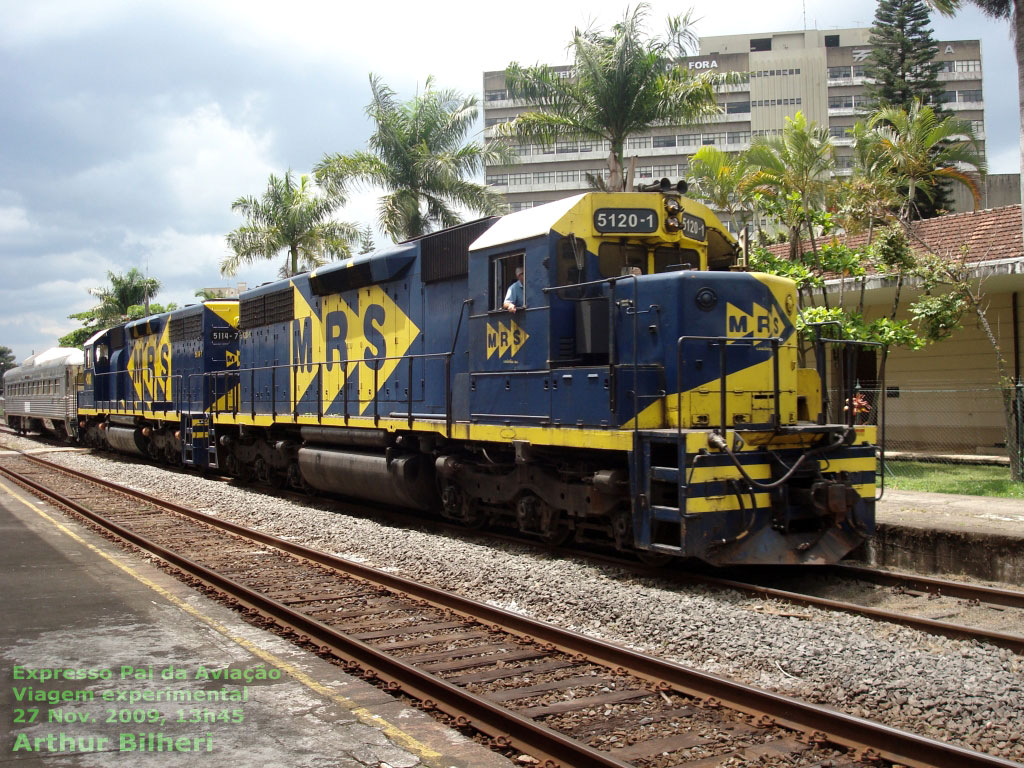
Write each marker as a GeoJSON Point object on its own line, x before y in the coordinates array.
{"type": "Point", "coordinates": [942, 598]}
{"type": "Point", "coordinates": [561, 697]}
{"type": "Point", "coordinates": [986, 614]}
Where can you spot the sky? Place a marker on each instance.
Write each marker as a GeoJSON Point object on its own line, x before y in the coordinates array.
{"type": "Point", "coordinates": [129, 127]}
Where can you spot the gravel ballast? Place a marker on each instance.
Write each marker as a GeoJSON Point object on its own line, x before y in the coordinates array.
{"type": "Point", "coordinates": [958, 691]}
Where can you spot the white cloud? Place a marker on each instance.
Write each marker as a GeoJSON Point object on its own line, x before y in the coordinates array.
{"type": "Point", "coordinates": [24, 24]}
{"type": "Point", "coordinates": [170, 254]}
{"type": "Point", "coordinates": [196, 165]}
{"type": "Point", "coordinates": [13, 220]}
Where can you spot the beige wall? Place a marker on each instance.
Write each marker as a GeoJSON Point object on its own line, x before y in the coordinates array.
{"type": "Point", "coordinates": [948, 392]}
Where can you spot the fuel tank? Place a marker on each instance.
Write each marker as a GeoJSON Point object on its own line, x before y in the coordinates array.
{"type": "Point", "coordinates": [127, 440]}
{"type": "Point", "coordinates": [404, 480]}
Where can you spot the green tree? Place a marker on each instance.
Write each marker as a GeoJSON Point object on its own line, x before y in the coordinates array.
{"type": "Point", "coordinates": [127, 297]}
{"type": "Point", "coordinates": [903, 68]}
{"type": "Point", "coordinates": [419, 154]}
{"type": "Point", "coordinates": [290, 216]}
{"type": "Point", "coordinates": [791, 171]}
{"type": "Point", "coordinates": [922, 151]}
{"type": "Point", "coordinates": [902, 62]}
{"type": "Point", "coordinates": [1013, 11]}
{"type": "Point", "coordinates": [620, 84]}
{"type": "Point", "coordinates": [717, 177]}
{"type": "Point", "coordinates": [6, 363]}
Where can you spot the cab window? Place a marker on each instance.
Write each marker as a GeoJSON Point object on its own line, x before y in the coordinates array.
{"type": "Point", "coordinates": [616, 259]}
{"type": "Point", "coordinates": [503, 274]}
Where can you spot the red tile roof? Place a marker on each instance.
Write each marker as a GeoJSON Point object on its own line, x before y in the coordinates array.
{"type": "Point", "coordinates": [989, 235]}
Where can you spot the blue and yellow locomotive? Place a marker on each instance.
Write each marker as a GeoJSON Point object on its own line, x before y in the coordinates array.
{"type": "Point", "coordinates": [644, 395]}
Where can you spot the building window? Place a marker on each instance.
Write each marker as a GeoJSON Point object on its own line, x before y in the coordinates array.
{"type": "Point", "coordinates": [586, 146]}
{"type": "Point", "coordinates": [838, 131]}
{"type": "Point", "coordinates": [737, 107]}
{"type": "Point", "coordinates": [501, 180]}
{"type": "Point", "coordinates": [947, 97]}
{"type": "Point", "coordinates": [523, 150]}
{"type": "Point", "coordinates": [664, 141]}
{"type": "Point", "coordinates": [838, 73]}
{"type": "Point", "coordinates": [760, 44]}
{"type": "Point", "coordinates": [967, 66]}
{"type": "Point", "coordinates": [494, 121]}
{"type": "Point", "coordinates": [644, 172]}
{"type": "Point", "coordinates": [516, 207]}
{"type": "Point", "coordinates": [712, 139]}
{"type": "Point", "coordinates": [495, 95]}
{"type": "Point", "coordinates": [688, 140]}
{"type": "Point", "coordinates": [664, 170]}
{"type": "Point", "coordinates": [946, 66]}
{"type": "Point", "coordinates": [567, 176]}
{"type": "Point", "coordinates": [638, 142]}
{"type": "Point", "coordinates": [738, 137]}
{"type": "Point", "coordinates": [544, 177]}
{"type": "Point", "coordinates": [831, 41]}
{"type": "Point", "coordinates": [859, 71]}
{"type": "Point", "coordinates": [840, 102]}
{"type": "Point", "coordinates": [518, 179]}
{"type": "Point", "coordinates": [977, 126]}
{"type": "Point", "coordinates": [566, 146]}
{"type": "Point", "coordinates": [972, 95]}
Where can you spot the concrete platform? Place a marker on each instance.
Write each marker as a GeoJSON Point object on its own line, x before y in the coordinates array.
{"type": "Point", "coordinates": [105, 657]}
{"type": "Point", "coordinates": [950, 534]}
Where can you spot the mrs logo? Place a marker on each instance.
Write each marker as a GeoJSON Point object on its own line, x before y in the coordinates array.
{"type": "Point", "coordinates": [505, 340]}
{"type": "Point", "coordinates": [362, 338]}
{"type": "Point", "coordinates": [149, 366]}
{"type": "Point", "coordinates": [760, 322]}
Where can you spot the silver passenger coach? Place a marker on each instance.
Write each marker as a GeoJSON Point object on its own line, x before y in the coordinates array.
{"type": "Point", "coordinates": [40, 394]}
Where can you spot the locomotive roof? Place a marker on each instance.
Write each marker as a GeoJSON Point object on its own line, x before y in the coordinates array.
{"type": "Point", "coordinates": [521, 225]}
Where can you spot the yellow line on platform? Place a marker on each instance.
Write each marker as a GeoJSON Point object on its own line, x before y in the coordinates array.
{"type": "Point", "coordinates": [396, 734]}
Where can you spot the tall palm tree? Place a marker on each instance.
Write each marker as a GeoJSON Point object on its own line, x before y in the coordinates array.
{"type": "Point", "coordinates": [793, 170]}
{"type": "Point", "coordinates": [290, 216]}
{"type": "Point", "coordinates": [922, 151]}
{"type": "Point", "coordinates": [419, 154]}
{"type": "Point", "coordinates": [125, 291]}
{"type": "Point", "coordinates": [621, 83]}
{"type": "Point", "coordinates": [717, 178]}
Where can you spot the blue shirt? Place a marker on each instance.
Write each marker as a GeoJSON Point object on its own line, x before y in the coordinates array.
{"type": "Point", "coordinates": [515, 294]}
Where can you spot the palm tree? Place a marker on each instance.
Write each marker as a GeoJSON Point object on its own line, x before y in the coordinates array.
{"type": "Point", "coordinates": [792, 170]}
{"type": "Point", "coordinates": [717, 178]}
{"type": "Point", "coordinates": [922, 151]}
{"type": "Point", "coordinates": [129, 290]}
{"type": "Point", "coordinates": [620, 84]}
{"type": "Point", "coordinates": [290, 217]}
{"type": "Point", "coordinates": [419, 155]}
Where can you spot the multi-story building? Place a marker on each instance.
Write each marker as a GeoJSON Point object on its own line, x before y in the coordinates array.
{"type": "Point", "coordinates": [820, 73]}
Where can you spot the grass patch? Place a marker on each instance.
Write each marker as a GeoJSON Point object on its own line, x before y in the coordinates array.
{"type": "Point", "coordinates": [967, 479]}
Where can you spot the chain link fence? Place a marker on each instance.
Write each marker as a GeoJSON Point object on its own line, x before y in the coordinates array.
{"type": "Point", "coordinates": [949, 440]}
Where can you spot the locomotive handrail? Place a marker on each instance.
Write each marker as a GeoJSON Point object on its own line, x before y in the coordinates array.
{"type": "Point", "coordinates": [851, 388]}
{"type": "Point", "coordinates": [148, 376]}
{"type": "Point", "coordinates": [410, 415]}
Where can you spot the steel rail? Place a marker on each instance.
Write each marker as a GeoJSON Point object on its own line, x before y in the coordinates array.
{"type": "Point", "coordinates": [1011, 598]}
{"type": "Point", "coordinates": [818, 721]}
{"type": "Point", "coordinates": [1014, 643]}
